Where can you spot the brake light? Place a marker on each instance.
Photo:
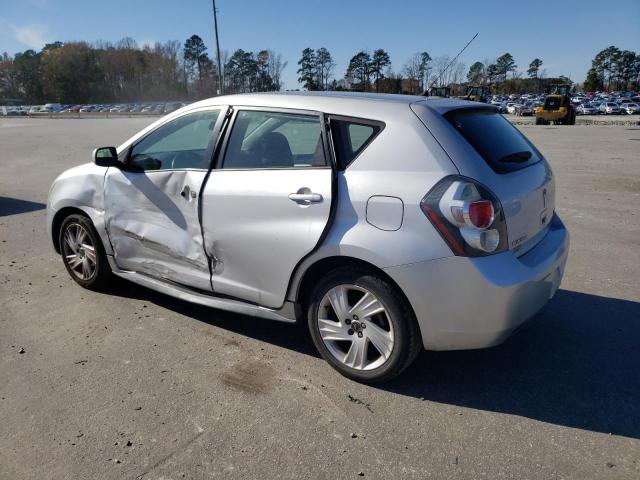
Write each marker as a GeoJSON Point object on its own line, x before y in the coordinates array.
{"type": "Point", "coordinates": [467, 215]}
{"type": "Point", "coordinates": [481, 213]}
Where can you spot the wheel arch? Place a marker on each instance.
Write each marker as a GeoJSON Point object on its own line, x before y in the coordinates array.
{"type": "Point", "coordinates": [64, 212]}
{"type": "Point", "coordinates": [301, 290]}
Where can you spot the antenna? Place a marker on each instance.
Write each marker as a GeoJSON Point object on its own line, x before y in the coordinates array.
{"type": "Point", "coordinates": [215, 23]}
{"type": "Point", "coordinates": [451, 62]}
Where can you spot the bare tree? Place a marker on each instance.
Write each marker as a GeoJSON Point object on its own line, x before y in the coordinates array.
{"type": "Point", "coordinates": [275, 68]}
{"type": "Point", "coordinates": [413, 71]}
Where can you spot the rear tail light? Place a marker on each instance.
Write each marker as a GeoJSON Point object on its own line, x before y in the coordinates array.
{"type": "Point", "coordinates": [468, 217]}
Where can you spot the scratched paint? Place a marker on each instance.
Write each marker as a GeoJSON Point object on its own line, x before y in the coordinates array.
{"type": "Point", "coordinates": [154, 228]}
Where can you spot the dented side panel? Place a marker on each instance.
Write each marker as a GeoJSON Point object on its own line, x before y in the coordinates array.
{"type": "Point", "coordinates": [79, 187]}
{"type": "Point", "coordinates": [255, 233]}
{"type": "Point", "coordinates": [153, 225]}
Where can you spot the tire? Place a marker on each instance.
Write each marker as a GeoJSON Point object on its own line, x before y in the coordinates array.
{"type": "Point", "coordinates": [85, 260]}
{"type": "Point", "coordinates": [349, 341]}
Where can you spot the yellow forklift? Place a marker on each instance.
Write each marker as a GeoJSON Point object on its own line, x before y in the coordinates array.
{"type": "Point", "coordinates": [557, 107]}
{"type": "Point", "coordinates": [477, 93]}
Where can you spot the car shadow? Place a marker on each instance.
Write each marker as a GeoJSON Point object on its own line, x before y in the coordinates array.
{"type": "Point", "coordinates": [287, 335]}
{"type": "Point", "coordinates": [576, 364]}
{"type": "Point", "coordinates": [14, 206]}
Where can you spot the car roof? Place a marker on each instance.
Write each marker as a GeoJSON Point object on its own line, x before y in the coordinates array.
{"type": "Point", "coordinates": [339, 103]}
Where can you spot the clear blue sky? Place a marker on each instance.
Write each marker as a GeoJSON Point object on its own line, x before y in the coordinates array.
{"type": "Point", "coordinates": [565, 34]}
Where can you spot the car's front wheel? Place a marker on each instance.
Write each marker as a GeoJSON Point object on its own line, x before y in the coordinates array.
{"type": "Point", "coordinates": [82, 252]}
{"type": "Point", "coordinates": [362, 326]}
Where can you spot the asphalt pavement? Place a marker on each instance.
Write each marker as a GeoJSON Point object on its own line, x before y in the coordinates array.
{"type": "Point", "coordinates": [128, 383]}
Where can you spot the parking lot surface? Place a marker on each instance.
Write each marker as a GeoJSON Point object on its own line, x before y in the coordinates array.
{"type": "Point", "coordinates": [128, 383]}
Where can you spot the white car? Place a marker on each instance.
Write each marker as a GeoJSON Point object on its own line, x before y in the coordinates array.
{"type": "Point", "coordinates": [610, 108]}
{"type": "Point", "coordinates": [586, 109]}
{"type": "Point", "coordinates": [342, 211]}
{"type": "Point", "coordinates": [630, 108]}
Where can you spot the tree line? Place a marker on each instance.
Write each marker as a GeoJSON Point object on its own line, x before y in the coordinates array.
{"type": "Point", "coordinates": [614, 69]}
{"type": "Point", "coordinates": [79, 72]}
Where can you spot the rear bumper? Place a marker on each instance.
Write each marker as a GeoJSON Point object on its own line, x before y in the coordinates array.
{"type": "Point", "coordinates": [466, 303]}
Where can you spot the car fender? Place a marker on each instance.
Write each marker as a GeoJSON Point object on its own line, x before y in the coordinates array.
{"type": "Point", "coordinates": [80, 188]}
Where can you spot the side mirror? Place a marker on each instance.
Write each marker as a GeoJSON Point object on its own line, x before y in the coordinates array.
{"type": "Point", "coordinates": [106, 157]}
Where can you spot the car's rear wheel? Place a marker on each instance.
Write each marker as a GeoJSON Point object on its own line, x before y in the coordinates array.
{"type": "Point", "coordinates": [361, 325]}
{"type": "Point", "coordinates": [82, 252]}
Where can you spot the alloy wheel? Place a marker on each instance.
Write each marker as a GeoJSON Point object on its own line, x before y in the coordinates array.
{"type": "Point", "coordinates": [79, 251]}
{"type": "Point", "coordinates": [355, 327]}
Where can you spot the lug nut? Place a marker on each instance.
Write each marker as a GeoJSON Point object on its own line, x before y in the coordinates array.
{"type": "Point", "coordinates": [348, 321]}
{"type": "Point", "coordinates": [350, 332]}
{"type": "Point", "coordinates": [355, 317]}
{"type": "Point", "coordinates": [360, 334]}
{"type": "Point", "coordinates": [363, 325]}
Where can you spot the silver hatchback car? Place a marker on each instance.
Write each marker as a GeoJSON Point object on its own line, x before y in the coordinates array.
{"type": "Point", "coordinates": [388, 223]}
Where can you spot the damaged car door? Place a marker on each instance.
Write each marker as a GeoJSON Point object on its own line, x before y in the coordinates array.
{"type": "Point", "coordinates": [152, 203]}
{"type": "Point", "coordinates": [267, 202]}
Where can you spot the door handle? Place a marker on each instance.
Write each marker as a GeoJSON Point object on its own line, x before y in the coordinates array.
{"type": "Point", "coordinates": [306, 197]}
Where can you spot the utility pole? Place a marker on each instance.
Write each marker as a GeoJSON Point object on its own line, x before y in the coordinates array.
{"type": "Point", "coordinates": [215, 24]}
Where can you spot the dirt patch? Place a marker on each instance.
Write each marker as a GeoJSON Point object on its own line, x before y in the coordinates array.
{"type": "Point", "coordinates": [251, 376]}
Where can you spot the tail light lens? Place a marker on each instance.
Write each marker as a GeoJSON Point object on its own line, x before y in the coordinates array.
{"type": "Point", "coordinates": [468, 216]}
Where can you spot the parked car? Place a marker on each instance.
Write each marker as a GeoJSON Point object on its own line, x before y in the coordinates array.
{"type": "Point", "coordinates": [51, 108]}
{"type": "Point", "coordinates": [524, 110]}
{"type": "Point", "coordinates": [610, 108]}
{"type": "Point", "coordinates": [586, 109]}
{"type": "Point", "coordinates": [291, 220]}
{"type": "Point", "coordinates": [630, 108]}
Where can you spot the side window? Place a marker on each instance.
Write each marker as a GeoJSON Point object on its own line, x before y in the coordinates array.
{"type": "Point", "coordinates": [274, 140]}
{"type": "Point", "coordinates": [351, 137]}
{"type": "Point", "coordinates": [180, 143]}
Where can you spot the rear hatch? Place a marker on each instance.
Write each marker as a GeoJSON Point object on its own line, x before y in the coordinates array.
{"type": "Point", "coordinates": [486, 147]}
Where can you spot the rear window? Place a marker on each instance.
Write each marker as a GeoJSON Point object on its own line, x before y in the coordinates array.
{"type": "Point", "coordinates": [351, 137]}
{"type": "Point", "coordinates": [498, 142]}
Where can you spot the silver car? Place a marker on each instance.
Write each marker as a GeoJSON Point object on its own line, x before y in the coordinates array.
{"type": "Point", "coordinates": [387, 223]}
{"type": "Point", "coordinates": [586, 109]}
{"type": "Point", "coordinates": [630, 108]}
{"type": "Point", "coordinates": [610, 108]}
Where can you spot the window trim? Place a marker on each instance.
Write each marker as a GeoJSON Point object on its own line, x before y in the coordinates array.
{"type": "Point", "coordinates": [215, 132]}
{"type": "Point", "coordinates": [235, 109]}
{"type": "Point", "coordinates": [358, 121]}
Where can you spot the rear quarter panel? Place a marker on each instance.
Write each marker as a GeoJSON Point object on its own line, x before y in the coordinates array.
{"type": "Point", "coordinates": [404, 161]}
